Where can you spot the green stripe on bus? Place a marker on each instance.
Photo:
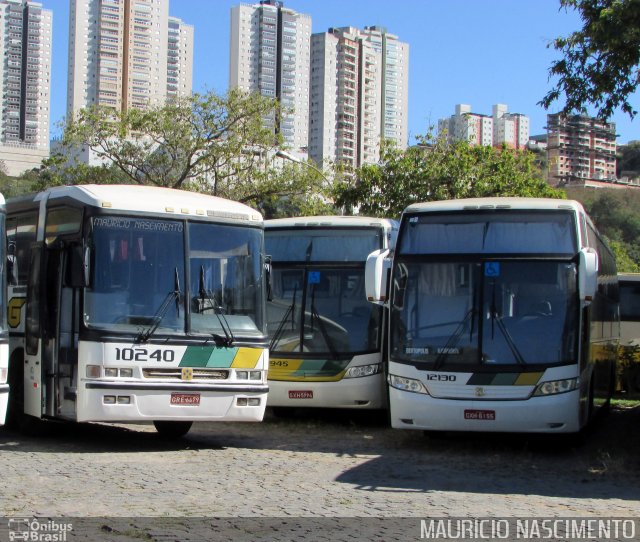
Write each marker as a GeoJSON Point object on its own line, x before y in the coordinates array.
{"type": "Point", "coordinates": [320, 367]}
{"type": "Point", "coordinates": [208, 356]}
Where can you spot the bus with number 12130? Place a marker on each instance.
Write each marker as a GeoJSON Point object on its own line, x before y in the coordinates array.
{"type": "Point", "coordinates": [503, 316]}
{"type": "Point", "coordinates": [136, 303]}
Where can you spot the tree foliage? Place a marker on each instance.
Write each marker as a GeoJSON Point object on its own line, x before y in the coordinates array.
{"type": "Point", "coordinates": [599, 63]}
{"type": "Point", "coordinates": [218, 145]}
{"type": "Point", "coordinates": [436, 170]}
{"type": "Point", "coordinates": [628, 158]}
{"type": "Point", "coordinates": [616, 214]}
{"type": "Point", "coordinates": [204, 136]}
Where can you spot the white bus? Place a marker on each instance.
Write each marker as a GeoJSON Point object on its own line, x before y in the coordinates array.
{"type": "Point", "coordinates": [325, 337]}
{"type": "Point", "coordinates": [134, 303]}
{"type": "Point", "coordinates": [4, 333]}
{"type": "Point", "coordinates": [503, 316]}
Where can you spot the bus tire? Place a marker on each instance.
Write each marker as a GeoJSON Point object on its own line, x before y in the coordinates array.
{"type": "Point", "coordinates": [172, 430]}
{"type": "Point", "coordinates": [15, 410]}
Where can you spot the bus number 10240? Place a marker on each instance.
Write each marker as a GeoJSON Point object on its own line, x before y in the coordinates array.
{"type": "Point", "coordinates": [142, 354]}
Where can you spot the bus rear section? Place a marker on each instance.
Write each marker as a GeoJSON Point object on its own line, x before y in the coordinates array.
{"type": "Point", "coordinates": [325, 338]}
{"type": "Point", "coordinates": [137, 304]}
{"type": "Point", "coordinates": [502, 318]}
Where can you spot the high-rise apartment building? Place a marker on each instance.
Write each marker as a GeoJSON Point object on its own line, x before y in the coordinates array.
{"type": "Point", "coordinates": [502, 128]}
{"type": "Point", "coordinates": [467, 126]}
{"type": "Point", "coordinates": [126, 54]}
{"type": "Point", "coordinates": [359, 94]}
{"type": "Point", "coordinates": [395, 83]}
{"type": "Point", "coordinates": [580, 149]}
{"type": "Point", "coordinates": [179, 59]}
{"type": "Point", "coordinates": [25, 73]}
{"type": "Point", "coordinates": [270, 54]}
{"type": "Point", "coordinates": [510, 129]}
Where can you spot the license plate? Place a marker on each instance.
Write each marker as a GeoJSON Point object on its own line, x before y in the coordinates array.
{"type": "Point", "coordinates": [185, 399]}
{"type": "Point", "coordinates": [479, 414]}
{"type": "Point", "coordinates": [300, 394]}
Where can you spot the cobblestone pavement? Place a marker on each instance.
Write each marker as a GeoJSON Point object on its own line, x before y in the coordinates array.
{"type": "Point", "coordinates": [310, 467]}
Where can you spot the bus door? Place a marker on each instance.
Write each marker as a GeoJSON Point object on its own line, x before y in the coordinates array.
{"type": "Point", "coordinates": [60, 341]}
{"type": "Point", "coordinates": [51, 358]}
{"type": "Point", "coordinates": [33, 372]}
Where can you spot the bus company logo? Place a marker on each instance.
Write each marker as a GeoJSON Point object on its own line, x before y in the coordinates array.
{"type": "Point", "coordinates": [38, 530]}
{"type": "Point", "coordinates": [187, 373]}
{"type": "Point", "coordinates": [480, 392]}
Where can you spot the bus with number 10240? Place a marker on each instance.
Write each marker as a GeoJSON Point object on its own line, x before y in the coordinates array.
{"type": "Point", "coordinates": [136, 303]}
{"type": "Point", "coordinates": [503, 316]}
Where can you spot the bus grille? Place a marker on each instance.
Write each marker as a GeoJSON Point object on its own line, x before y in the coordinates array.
{"type": "Point", "coordinates": [176, 374]}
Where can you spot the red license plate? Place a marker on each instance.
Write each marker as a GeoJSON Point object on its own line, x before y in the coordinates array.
{"type": "Point", "coordinates": [479, 414]}
{"type": "Point", "coordinates": [185, 399]}
{"type": "Point", "coordinates": [300, 394]}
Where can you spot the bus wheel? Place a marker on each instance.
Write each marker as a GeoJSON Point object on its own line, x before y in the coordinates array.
{"type": "Point", "coordinates": [172, 429]}
{"type": "Point", "coordinates": [15, 410]}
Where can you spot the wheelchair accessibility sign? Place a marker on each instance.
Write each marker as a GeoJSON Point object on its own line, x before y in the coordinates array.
{"type": "Point", "coordinates": [492, 269]}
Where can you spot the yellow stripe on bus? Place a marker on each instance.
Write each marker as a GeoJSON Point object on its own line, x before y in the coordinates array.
{"type": "Point", "coordinates": [528, 379]}
{"type": "Point", "coordinates": [246, 358]}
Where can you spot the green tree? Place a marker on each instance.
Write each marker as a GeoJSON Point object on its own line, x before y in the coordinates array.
{"type": "Point", "coordinates": [436, 170]}
{"type": "Point", "coordinates": [616, 214]}
{"type": "Point", "coordinates": [624, 262]}
{"type": "Point", "coordinates": [205, 136]}
{"type": "Point", "coordinates": [599, 64]}
{"type": "Point", "coordinates": [628, 158]}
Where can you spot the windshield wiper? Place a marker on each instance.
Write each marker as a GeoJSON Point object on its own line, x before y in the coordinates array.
{"type": "Point", "coordinates": [145, 334]}
{"type": "Point", "coordinates": [496, 319]}
{"type": "Point", "coordinates": [323, 330]}
{"type": "Point", "coordinates": [453, 339]}
{"type": "Point", "coordinates": [228, 338]}
{"type": "Point", "coordinates": [290, 311]}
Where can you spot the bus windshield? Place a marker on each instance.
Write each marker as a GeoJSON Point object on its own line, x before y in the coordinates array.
{"type": "Point", "coordinates": [138, 272]}
{"type": "Point", "coordinates": [490, 232]}
{"type": "Point", "coordinates": [322, 310]}
{"type": "Point", "coordinates": [486, 312]}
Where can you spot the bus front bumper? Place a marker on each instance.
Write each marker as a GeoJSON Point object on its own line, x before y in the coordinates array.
{"type": "Point", "coordinates": [551, 414]}
{"type": "Point", "coordinates": [367, 392]}
{"type": "Point", "coordinates": [108, 401]}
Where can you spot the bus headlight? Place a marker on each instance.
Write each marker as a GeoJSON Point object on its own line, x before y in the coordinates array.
{"type": "Point", "coordinates": [3, 375]}
{"type": "Point", "coordinates": [363, 370]}
{"type": "Point", "coordinates": [554, 387]}
{"type": "Point", "coordinates": [407, 384]}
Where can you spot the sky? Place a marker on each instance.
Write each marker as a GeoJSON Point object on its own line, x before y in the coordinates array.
{"type": "Point", "coordinates": [476, 52]}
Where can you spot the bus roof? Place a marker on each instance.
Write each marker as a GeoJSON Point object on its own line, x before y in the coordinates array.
{"type": "Point", "coordinates": [330, 222]}
{"type": "Point", "coordinates": [150, 199]}
{"type": "Point", "coordinates": [495, 203]}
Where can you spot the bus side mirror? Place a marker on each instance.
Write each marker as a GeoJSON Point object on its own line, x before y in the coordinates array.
{"type": "Point", "coordinates": [86, 265]}
{"type": "Point", "coordinates": [588, 275]}
{"type": "Point", "coordinates": [376, 276]}
{"type": "Point", "coordinates": [12, 264]}
{"type": "Point", "coordinates": [267, 274]}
